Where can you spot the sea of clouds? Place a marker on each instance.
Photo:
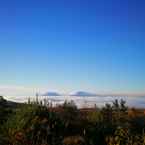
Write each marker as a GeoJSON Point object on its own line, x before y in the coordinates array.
{"type": "Point", "coordinates": [81, 101]}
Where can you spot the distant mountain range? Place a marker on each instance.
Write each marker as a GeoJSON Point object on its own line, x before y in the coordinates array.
{"type": "Point", "coordinates": [51, 94]}
{"type": "Point", "coordinates": [83, 94]}
{"type": "Point", "coordinates": [79, 93]}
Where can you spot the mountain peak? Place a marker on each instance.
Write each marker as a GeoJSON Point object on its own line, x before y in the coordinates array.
{"type": "Point", "coordinates": [51, 94]}
{"type": "Point", "coordinates": [83, 94]}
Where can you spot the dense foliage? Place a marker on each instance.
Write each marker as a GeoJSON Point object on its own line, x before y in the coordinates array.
{"type": "Point", "coordinates": [34, 124]}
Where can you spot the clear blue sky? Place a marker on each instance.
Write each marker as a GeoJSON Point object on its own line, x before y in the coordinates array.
{"type": "Point", "coordinates": [96, 45]}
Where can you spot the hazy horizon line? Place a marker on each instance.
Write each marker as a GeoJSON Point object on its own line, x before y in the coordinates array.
{"type": "Point", "coordinates": [18, 90]}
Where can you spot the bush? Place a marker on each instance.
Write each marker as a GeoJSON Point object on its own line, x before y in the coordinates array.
{"type": "Point", "coordinates": [74, 140]}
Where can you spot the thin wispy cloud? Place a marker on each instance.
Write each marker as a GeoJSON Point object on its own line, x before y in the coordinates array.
{"type": "Point", "coordinates": [13, 90]}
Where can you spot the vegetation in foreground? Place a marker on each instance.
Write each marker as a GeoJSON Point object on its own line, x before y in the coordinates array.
{"type": "Point", "coordinates": [35, 124]}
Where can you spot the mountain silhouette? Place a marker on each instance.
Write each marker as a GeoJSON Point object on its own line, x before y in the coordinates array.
{"type": "Point", "coordinates": [83, 93]}
{"type": "Point", "coordinates": [51, 94]}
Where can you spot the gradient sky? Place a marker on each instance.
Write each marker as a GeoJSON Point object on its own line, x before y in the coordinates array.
{"type": "Point", "coordinates": [67, 45]}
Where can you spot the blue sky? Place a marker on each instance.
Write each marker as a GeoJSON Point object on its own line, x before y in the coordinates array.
{"type": "Point", "coordinates": [67, 45]}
